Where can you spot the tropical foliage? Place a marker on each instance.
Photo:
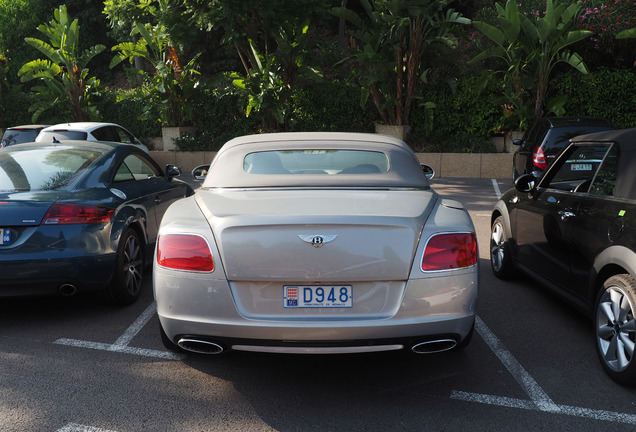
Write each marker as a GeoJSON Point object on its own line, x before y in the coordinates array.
{"type": "Point", "coordinates": [527, 51]}
{"type": "Point", "coordinates": [397, 44]}
{"type": "Point", "coordinates": [233, 67]}
{"type": "Point", "coordinates": [64, 74]}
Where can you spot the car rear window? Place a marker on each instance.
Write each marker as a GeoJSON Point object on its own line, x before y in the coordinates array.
{"type": "Point", "coordinates": [42, 168]}
{"type": "Point", "coordinates": [19, 136]}
{"type": "Point", "coordinates": [316, 161]}
{"type": "Point", "coordinates": [62, 135]}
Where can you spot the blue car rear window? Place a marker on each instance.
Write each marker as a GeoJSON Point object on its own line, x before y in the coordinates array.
{"type": "Point", "coordinates": [42, 169]}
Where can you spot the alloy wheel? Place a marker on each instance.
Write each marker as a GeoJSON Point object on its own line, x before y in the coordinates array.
{"type": "Point", "coordinates": [132, 265]}
{"type": "Point", "coordinates": [615, 328]}
{"type": "Point", "coordinates": [497, 246]}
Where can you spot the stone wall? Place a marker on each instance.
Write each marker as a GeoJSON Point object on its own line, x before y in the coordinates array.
{"type": "Point", "coordinates": [446, 165]}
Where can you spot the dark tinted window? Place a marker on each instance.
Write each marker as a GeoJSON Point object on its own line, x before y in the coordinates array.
{"type": "Point", "coordinates": [18, 136]}
{"type": "Point", "coordinates": [605, 181]}
{"type": "Point", "coordinates": [62, 135]}
{"type": "Point", "coordinates": [577, 170]}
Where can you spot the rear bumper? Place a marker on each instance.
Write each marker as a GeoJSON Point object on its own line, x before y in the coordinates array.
{"type": "Point", "coordinates": [46, 276]}
{"type": "Point", "coordinates": [440, 307]}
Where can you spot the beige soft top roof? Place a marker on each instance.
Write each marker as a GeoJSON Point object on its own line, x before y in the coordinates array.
{"type": "Point", "coordinates": [226, 170]}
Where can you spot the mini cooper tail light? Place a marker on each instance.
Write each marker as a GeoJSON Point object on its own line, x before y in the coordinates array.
{"type": "Point", "coordinates": [538, 157]}
{"type": "Point", "coordinates": [450, 251]}
{"type": "Point", "coordinates": [184, 252]}
{"type": "Point", "coordinates": [73, 213]}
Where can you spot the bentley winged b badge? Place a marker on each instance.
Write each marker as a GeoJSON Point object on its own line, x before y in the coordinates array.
{"type": "Point", "coordinates": [317, 240]}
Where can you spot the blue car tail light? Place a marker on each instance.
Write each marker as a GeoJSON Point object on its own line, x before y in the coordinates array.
{"type": "Point", "coordinates": [72, 213]}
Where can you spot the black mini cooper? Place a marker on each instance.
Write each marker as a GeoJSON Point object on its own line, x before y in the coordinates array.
{"type": "Point", "coordinates": [574, 231]}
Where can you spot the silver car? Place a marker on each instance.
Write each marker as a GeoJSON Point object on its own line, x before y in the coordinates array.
{"type": "Point", "coordinates": [316, 243]}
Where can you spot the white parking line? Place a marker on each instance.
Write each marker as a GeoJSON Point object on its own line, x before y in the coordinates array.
{"type": "Point", "coordinates": [496, 188]}
{"type": "Point", "coordinates": [121, 344]}
{"type": "Point", "coordinates": [539, 400]}
{"type": "Point", "coordinates": [529, 385]}
{"type": "Point", "coordinates": [74, 427]}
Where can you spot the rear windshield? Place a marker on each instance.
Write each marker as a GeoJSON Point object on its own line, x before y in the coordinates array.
{"type": "Point", "coordinates": [42, 168]}
{"type": "Point", "coordinates": [19, 136]}
{"type": "Point", "coordinates": [62, 135]}
{"type": "Point", "coordinates": [318, 161]}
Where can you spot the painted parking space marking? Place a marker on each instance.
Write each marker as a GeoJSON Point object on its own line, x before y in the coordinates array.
{"type": "Point", "coordinates": [539, 400]}
{"type": "Point", "coordinates": [495, 186]}
{"type": "Point", "coordinates": [74, 427]}
{"type": "Point", "coordinates": [527, 383]}
{"type": "Point", "coordinates": [121, 344]}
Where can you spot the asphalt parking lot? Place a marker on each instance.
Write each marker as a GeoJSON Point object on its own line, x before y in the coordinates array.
{"type": "Point", "coordinates": [74, 364]}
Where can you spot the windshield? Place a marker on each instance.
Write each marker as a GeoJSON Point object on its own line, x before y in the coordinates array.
{"type": "Point", "coordinates": [42, 168]}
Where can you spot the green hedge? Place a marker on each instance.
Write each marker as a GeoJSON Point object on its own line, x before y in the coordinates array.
{"type": "Point", "coordinates": [604, 93]}
{"type": "Point", "coordinates": [331, 106]}
{"type": "Point", "coordinates": [463, 120]}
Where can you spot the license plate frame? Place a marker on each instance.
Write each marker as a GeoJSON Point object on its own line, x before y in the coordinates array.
{"type": "Point", "coordinates": [5, 236]}
{"type": "Point", "coordinates": [317, 296]}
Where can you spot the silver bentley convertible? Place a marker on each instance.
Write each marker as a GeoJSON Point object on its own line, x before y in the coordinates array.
{"type": "Point", "coordinates": [316, 243]}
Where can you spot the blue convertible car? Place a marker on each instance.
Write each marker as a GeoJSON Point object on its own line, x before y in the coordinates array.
{"type": "Point", "coordinates": [80, 216]}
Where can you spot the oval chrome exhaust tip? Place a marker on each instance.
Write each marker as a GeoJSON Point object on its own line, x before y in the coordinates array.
{"type": "Point", "coordinates": [200, 346]}
{"type": "Point", "coordinates": [434, 346]}
{"type": "Point", "coordinates": [67, 290]}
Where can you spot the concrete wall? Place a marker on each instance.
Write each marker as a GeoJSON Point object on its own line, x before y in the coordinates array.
{"type": "Point", "coordinates": [467, 165]}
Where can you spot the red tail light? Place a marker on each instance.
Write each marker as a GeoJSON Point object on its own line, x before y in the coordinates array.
{"type": "Point", "coordinates": [71, 213]}
{"type": "Point", "coordinates": [184, 252]}
{"type": "Point", "coordinates": [450, 251]}
{"type": "Point", "coordinates": [538, 157]}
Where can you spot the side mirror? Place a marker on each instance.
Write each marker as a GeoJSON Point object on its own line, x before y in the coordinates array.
{"type": "Point", "coordinates": [172, 171]}
{"type": "Point", "coordinates": [428, 170]}
{"type": "Point", "coordinates": [525, 183]}
{"type": "Point", "coordinates": [517, 141]}
{"type": "Point", "coordinates": [200, 172]}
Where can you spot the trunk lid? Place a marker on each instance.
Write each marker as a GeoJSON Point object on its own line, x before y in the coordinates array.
{"type": "Point", "coordinates": [317, 235]}
{"type": "Point", "coordinates": [23, 208]}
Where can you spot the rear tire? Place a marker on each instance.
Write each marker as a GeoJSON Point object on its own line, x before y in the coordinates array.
{"type": "Point", "coordinates": [615, 327]}
{"type": "Point", "coordinates": [500, 259]}
{"type": "Point", "coordinates": [128, 279]}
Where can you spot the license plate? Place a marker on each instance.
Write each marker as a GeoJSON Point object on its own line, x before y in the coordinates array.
{"type": "Point", "coordinates": [6, 236]}
{"type": "Point", "coordinates": [581, 167]}
{"type": "Point", "coordinates": [317, 296]}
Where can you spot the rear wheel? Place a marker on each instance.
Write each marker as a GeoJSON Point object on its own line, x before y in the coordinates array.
{"type": "Point", "coordinates": [616, 328]}
{"type": "Point", "coordinates": [126, 285]}
{"type": "Point", "coordinates": [500, 259]}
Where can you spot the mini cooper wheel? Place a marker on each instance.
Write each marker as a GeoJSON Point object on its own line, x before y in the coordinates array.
{"type": "Point", "coordinates": [126, 285]}
{"type": "Point", "coordinates": [616, 328]}
{"type": "Point", "coordinates": [500, 259]}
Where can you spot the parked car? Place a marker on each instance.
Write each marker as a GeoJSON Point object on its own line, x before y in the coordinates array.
{"type": "Point", "coordinates": [80, 216]}
{"type": "Point", "coordinates": [89, 131]}
{"type": "Point", "coordinates": [20, 134]}
{"type": "Point", "coordinates": [316, 243]}
{"type": "Point", "coordinates": [546, 138]}
{"type": "Point", "coordinates": [574, 231]}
